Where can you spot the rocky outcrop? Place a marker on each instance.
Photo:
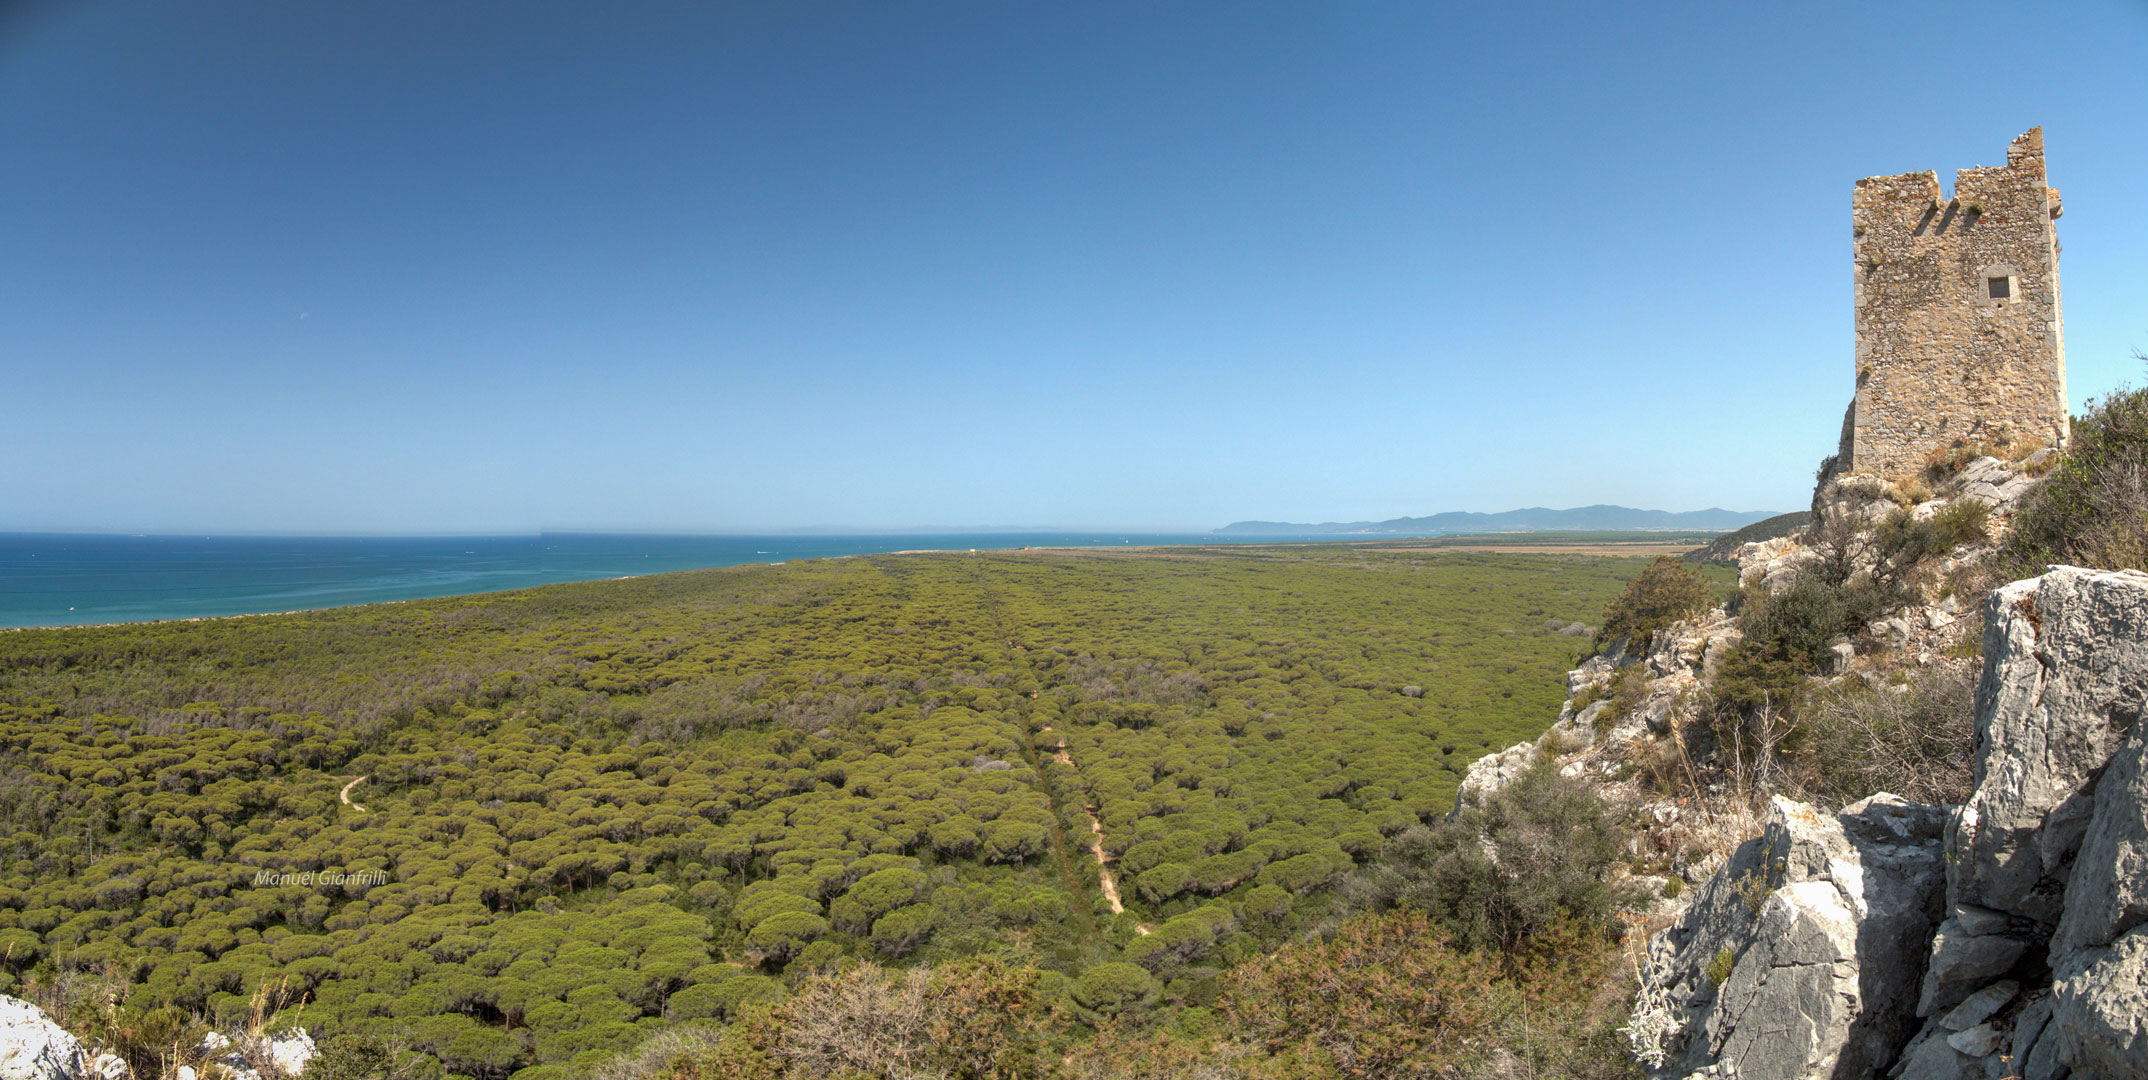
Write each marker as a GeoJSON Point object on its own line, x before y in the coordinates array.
{"type": "Point", "coordinates": [276, 1056]}
{"type": "Point", "coordinates": [1802, 956]}
{"type": "Point", "coordinates": [1488, 774]}
{"type": "Point", "coordinates": [2065, 677]}
{"type": "Point", "coordinates": [2000, 485]}
{"type": "Point", "coordinates": [2048, 859]}
{"type": "Point", "coordinates": [1848, 509]}
{"type": "Point", "coordinates": [2038, 965]}
{"type": "Point", "coordinates": [1673, 667]}
{"type": "Point", "coordinates": [32, 1047]}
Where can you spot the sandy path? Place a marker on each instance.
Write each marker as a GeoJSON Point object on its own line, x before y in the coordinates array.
{"type": "Point", "coordinates": [346, 795]}
{"type": "Point", "coordinates": [1107, 883]}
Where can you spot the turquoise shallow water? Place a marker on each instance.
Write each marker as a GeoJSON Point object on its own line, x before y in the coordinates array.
{"type": "Point", "coordinates": [51, 579]}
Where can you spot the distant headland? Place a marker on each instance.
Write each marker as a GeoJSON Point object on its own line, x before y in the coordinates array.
{"type": "Point", "coordinates": [1599, 518]}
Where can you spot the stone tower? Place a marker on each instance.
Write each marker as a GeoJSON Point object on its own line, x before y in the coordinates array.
{"type": "Point", "coordinates": [1958, 337]}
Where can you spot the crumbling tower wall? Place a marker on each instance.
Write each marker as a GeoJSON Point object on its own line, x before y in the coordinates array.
{"type": "Point", "coordinates": [1958, 331]}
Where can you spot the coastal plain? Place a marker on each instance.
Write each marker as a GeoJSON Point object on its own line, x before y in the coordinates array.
{"type": "Point", "coordinates": [606, 808]}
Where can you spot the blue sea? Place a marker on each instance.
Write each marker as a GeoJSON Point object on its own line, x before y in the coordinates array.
{"type": "Point", "coordinates": [64, 579]}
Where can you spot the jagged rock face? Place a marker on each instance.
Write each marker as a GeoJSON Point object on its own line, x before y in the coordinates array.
{"type": "Point", "coordinates": [2107, 893]}
{"type": "Point", "coordinates": [1822, 924]}
{"type": "Point", "coordinates": [2099, 953]}
{"type": "Point", "coordinates": [2039, 969]}
{"type": "Point", "coordinates": [2100, 1009]}
{"type": "Point", "coordinates": [1675, 664]}
{"type": "Point", "coordinates": [1848, 508]}
{"type": "Point", "coordinates": [1995, 483]}
{"type": "Point", "coordinates": [32, 1047]}
{"type": "Point", "coordinates": [1492, 772]}
{"type": "Point", "coordinates": [2048, 859]}
{"type": "Point", "coordinates": [2065, 678]}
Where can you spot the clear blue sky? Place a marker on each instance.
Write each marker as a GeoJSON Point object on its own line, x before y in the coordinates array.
{"type": "Point", "coordinates": [334, 267]}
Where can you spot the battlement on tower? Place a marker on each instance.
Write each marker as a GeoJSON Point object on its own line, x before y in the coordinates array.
{"type": "Point", "coordinates": [1959, 337]}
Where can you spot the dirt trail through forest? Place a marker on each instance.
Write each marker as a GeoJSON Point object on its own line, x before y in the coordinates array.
{"type": "Point", "coordinates": [1105, 881]}
{"type": "Point", "coordinates": [346, 795]}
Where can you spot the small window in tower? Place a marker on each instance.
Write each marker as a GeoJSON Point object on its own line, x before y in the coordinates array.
{"type": "Point", "coordinates": [1999, 288]}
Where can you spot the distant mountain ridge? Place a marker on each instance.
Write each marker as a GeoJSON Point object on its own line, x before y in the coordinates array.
{"type": "Point", "coordinates": [1533, 519]}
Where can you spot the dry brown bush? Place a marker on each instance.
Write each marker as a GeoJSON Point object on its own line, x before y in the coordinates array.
{"type": "Point", "coordinates": [659, 1055]}
{"type": "Point", "coordinates": [864, 1021]}
{"type": "Point", "coordinates": [1915, 739]}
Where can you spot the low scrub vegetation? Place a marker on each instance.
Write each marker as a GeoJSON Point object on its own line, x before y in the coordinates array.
{"type": "Point", "coordinates": [1903, 540]}
{"type": "Point", "coordinates": [1915, 738]}
{"type": "Point", "coordinates": [1504, 871]}
{"type": "Point", "coordinates": [2092, 510]}
{"type": "Point", "coordinates": [519, 834]}
{"type": "Point", "coordinates": [1667, 591]}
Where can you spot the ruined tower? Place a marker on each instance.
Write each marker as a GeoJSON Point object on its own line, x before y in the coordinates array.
{"type": "Point", "coordinates": [1958, 335]}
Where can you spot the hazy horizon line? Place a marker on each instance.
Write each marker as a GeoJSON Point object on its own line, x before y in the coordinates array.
{"type": "Point", "coordinates": [795, 530]}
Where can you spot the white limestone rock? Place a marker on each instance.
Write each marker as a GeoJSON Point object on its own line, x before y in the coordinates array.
{"type": "Point", "coordinates": [1894, 632]}
{"type": "Point", "coordinates": [286, 1052]}
{"type": "Point", "coordinates": [291, 1050]}
{"type": "Point", "coordinates": [2048, 865]}
{"type": "Point", "coordinates": [1840, 656]}
{"type": "Point", "coordinates": [2100, 1010]}
{"type": "Point", "coordinates": [1825, 971]}
{"type": "Point", "coordinates": [1980, 1006]}
{"type": "Point", "coordinates": [1755, 558]}
{"type": "Point", "coordinates": [1489, 774]}
{"type": "Point", "coordinates": [2065, 677]}
{"type": "Point", "coordinates": [32, 1047]}
{"type": "Point", "coordinates": [1963, 962]}
{"type": "Point", "coordinates": [2107, 893]}
{"type": "Point", "coordinates": [1994, 483]}
{"type": "Point", "coordinates": [1979, 1041]}
{"type": "Point", "coordinates": [1930, 1057]}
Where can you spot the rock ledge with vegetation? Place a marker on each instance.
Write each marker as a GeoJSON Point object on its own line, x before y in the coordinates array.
{"type": "Point", "coordinates": [1987, 920]}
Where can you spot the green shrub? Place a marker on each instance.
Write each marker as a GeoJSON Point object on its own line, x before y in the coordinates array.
{"type": "Point", "coordinates": [1160, 883]}
{"type": "Point", "coordinates": [2092, 510]}
{"type": "Point", "coordinates": [1963, 521]}
{"type": "Point", "coordinates": [902, 929]}
{"type": "Point", "coordinates": [1753, 888]}
{"type": "Point", "coordinates": [380, 1055]}
{"type": "Point", "coordinates": [1917, 741]}
{"type": "Point", "coordinates": [653, 1058]}
{"type": "Point", "coordinates": [1903, 541]}
{"type": "Point", "coordinates": [971, 1018]}
{"type": "Point", "coordinates": [1667, 591]}
{"type": "Point", "coordinates": [153, 1042]}
{"type": "Point", "coordinates": [780, 937]}
{"type": "Point", "coordinates": [1383, 998]}
{"type": "Point", "coordinates": [1265, 902]}
{"type": "Point", "coordinates": [586, 793]}
{"type": "Point", "coordinates": [1539, 853]}
{"type": "Point", "coordinates": [1720, 967]}
{"type": "Point", "coordinates": [1629, 688]}
{"type": "Point", "coordinates": [1116, 989]}
{"type": "Point", "coordinates": [1797, 624]}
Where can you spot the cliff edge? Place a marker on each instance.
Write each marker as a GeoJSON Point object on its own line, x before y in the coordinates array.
{"type": "Point", "coordinates": [1989, 916]}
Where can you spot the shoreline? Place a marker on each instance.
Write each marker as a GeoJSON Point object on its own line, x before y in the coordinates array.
{"type": "Point", "coordinates": [1641, 547]}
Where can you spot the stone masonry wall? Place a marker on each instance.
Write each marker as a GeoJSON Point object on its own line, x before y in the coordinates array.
{"type": "Point", "coordinates": [1939, 359]}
